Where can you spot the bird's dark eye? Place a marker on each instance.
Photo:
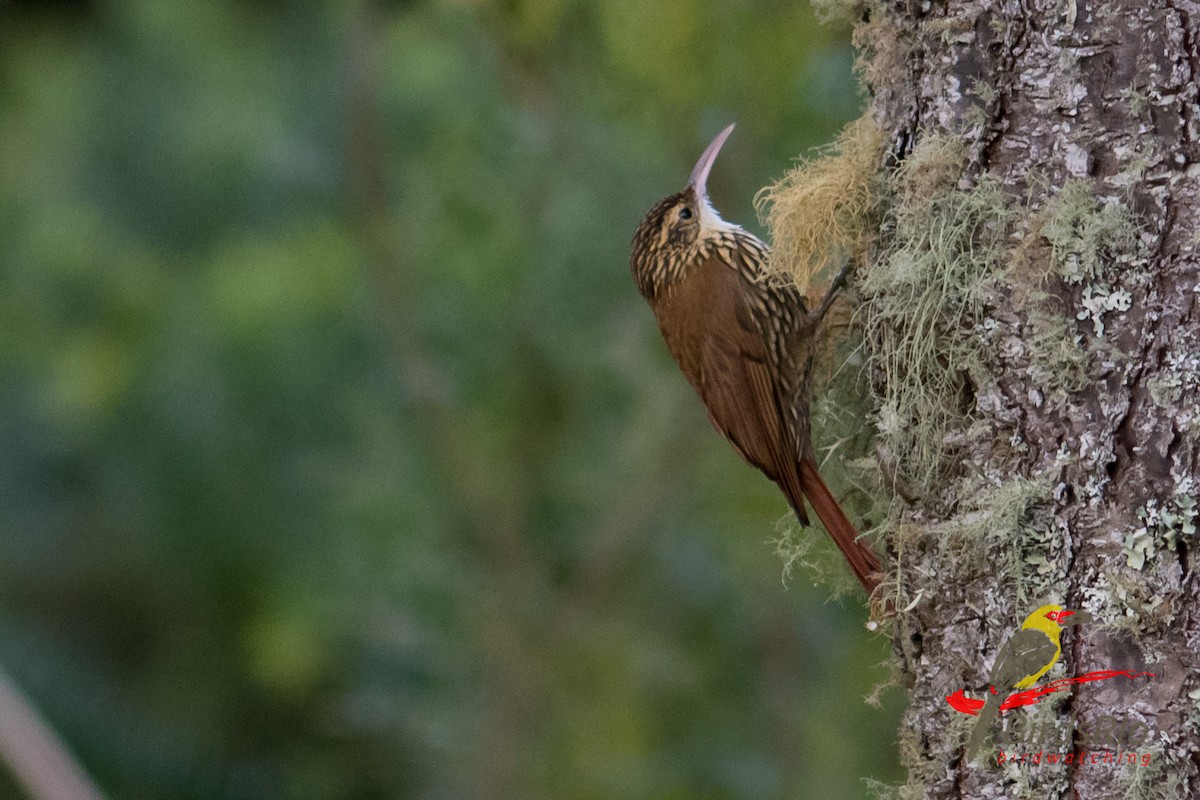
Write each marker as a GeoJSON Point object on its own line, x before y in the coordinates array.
{"type": "Point", "coordinates": [685, 213]}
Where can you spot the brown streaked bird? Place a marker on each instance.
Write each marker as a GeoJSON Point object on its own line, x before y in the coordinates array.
{"type": "Point", "coordinates": [743, 342]}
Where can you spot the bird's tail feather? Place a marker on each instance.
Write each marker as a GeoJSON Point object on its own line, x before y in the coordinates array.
{"type": "Point", "coordinates": [862, 561]}
{"type": "Point", "coordinates": [983, 725]}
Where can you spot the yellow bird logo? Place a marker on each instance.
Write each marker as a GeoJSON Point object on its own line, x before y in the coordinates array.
{"type": "Point", "coordinates": [1023, 660]}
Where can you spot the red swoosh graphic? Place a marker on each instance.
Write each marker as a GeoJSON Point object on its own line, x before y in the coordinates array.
{"type": "Point", "coordinates": [960, 702]}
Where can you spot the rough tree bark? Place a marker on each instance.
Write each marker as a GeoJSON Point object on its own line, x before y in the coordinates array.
{"type": "Point", "coordinates": [1033, 337]}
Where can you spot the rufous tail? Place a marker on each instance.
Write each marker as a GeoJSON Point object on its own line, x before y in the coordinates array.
{"type": "Point", "coordinates": [862, 561]}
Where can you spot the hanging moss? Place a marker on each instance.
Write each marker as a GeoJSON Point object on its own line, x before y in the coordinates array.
{"type": "Point", "coordinates": [922, 301]}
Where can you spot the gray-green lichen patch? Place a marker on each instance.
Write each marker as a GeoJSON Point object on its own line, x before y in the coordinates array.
{"type": "Point", "coordinates": [1158, 780]}
{"type": "Point", "coordinates": [1164, 524]}
{"type": "Point", "coordinates": [1094, 245]}
{"type": "Point", "coordinates": [1002, 534]}
{"type": "Point", "coordinates": [1057, 362]}
{"type": "Point", "coordinates": [1125, 604]}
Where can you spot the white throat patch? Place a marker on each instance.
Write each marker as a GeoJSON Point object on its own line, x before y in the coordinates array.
{"type": "Point", "coordinates": [710, 220]}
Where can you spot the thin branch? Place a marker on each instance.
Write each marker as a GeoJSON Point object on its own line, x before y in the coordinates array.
{"type": "Point", "coordinates": [38, 758]}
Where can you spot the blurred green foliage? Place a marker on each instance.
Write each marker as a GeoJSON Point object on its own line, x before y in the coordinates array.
{"type": "Point", "coordinates": [339, 457]}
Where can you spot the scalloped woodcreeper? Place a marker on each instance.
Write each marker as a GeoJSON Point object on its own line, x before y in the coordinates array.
{"type": "Point", "coordinates": [744, 343]}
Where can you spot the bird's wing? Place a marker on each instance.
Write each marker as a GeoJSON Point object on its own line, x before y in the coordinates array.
{"type": "Point", "coordinates": [735, 381]}
{"type": "Point", "coordinates": [716, 337]}
{"type": "Point", "coordinates": [713, 324]}
{"type": "Point", "coordinates": [1027, 654]}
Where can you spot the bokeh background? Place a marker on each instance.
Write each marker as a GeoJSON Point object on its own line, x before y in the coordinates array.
{"type": "Point", "coordinates": [339, 457]}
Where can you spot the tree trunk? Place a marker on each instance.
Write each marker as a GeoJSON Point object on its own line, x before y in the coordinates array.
{"type": "Point", "coordinates": [1032, 332]}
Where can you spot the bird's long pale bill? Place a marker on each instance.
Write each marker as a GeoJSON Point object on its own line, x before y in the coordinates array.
{"type": "Point", "coordinates": [699, 177]}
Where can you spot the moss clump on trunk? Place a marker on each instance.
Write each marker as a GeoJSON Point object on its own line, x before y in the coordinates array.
{"type": "Point", "coordinates": [824, 210]}
{"type": "Point", "coordinates": [922, 308]}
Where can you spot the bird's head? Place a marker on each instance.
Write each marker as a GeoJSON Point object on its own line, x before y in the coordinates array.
{"type": "Point", "coordinates": [1053, 618]}
{"type": "Point", "coordinates": [675, 230]}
